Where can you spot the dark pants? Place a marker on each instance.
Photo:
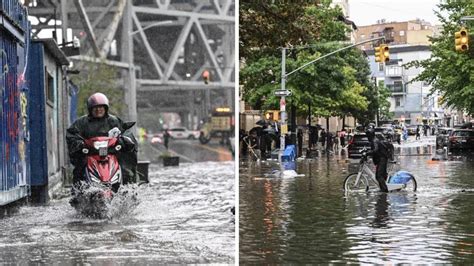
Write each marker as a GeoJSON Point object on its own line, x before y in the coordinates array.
{"type": "Point", "coordinates": [381, 174]}
{"type": "Point", "coordinates": [166, 142]}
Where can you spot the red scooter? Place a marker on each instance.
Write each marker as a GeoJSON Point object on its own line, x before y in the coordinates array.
{"type": "Point", "coordinates": [102, 163]}
{"type": "Point", "coordinates": [103, 173]}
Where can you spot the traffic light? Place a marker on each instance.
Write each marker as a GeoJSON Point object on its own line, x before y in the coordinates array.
{"type": "Point", "coordinates": [205, 76]}
{"type": "Point", "coordinates": [382, 53]}
{"type": "Point", "coordinates": [386, 52]}
{"type": "Point", "coordinates": [461, 40]}
{"type": "Point", "coordinates": [378, 54]}
{"type": "Point", "coordinates": [440, 100]}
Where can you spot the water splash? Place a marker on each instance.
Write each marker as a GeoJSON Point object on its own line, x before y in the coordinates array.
{"type": "Point", "coordinates": [99, 202]}
{"type": "Point", "coordinates": [124, 203]}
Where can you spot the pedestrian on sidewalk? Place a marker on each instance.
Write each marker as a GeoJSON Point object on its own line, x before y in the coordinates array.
{"type": "Point", "coordinates": [342, 138]}
{"type": "Point", "coordinates": [166, 137]}
{"type": "Point", "coordinates": [243, 137]}
{"type": "Point", "coordinates": [253, 145]}
{"type": "Point", "coordinates": [417, 133]}
{"type": "Point", "coordinates": [323, 138]}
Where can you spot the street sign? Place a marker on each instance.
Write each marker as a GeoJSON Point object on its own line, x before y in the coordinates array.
{"type": "Point", "coordinates": [282, 93]}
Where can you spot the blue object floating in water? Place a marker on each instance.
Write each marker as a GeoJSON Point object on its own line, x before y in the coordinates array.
{"type": "Point", "coordinates": [289, 154]}
{"type": "Point", "coordinates": [289, 165]}
{"type": "Point", "coordinates": [400, 177]}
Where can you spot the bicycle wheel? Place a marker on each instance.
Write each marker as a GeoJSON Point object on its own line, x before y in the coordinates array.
{"type": "Point", "coordinates": [350, 183]}
{"type": "Point", "coordinates": [411, 185]}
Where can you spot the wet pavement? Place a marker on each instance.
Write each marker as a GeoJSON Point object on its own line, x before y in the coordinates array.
{"type": "Point", "coordinates": [310, 219]}
{"type": "Point", "coordinates": [183, 216]}
{"type": "Point", "coordinates": [188, 150]}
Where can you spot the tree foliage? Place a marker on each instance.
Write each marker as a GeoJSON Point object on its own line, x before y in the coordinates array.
{"type": "Point", "coordinates": [336, 85]}
{"type": "Point", "coordinates": [451, 73]}
{"type": "Point", "coordinates": [264, 26]}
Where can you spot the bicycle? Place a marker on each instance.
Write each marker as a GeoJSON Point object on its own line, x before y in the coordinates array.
{"type": "Point", "coordinates": [362, 180]}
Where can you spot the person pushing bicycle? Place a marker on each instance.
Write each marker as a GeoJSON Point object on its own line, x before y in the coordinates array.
{"type": "Point", "coordinates": [381, 152]}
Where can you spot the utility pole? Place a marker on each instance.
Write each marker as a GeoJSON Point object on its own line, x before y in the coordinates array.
{"type": "Point", "coordinates": [283, 125]}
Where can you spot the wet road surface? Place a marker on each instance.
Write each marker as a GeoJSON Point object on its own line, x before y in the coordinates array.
{"type": "Point", "coordinates": [188, 150]}
{"type": "Point", "coordinates": [310, 220]}
{"type": "Point", "coordinates": [183, 217]}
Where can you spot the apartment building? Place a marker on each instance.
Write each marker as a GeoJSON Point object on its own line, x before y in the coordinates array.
{"type": "Point", "coordinates": [415, 32]}
{"type": "Point", "coordinates": [412, 101]}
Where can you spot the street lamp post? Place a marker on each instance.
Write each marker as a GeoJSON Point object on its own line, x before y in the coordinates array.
{"type": "Point", "coordinates": [127, 54]}
{"type": "Point", "coordinates": [283, 125]}
{"type": "Point", "coordinates": [283, 92]}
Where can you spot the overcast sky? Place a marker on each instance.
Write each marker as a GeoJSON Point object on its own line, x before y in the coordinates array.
{"type": "Point", "coordinates": [367, 12]}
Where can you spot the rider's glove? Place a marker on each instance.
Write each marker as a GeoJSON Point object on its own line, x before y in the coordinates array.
{"type": "Point", "coordinates": [121, 142]}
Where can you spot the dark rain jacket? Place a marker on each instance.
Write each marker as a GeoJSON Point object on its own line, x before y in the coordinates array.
{"type": "Point", "coordinates": [88, 127]}
{"type": "Point", "coordinates": [382, 150]}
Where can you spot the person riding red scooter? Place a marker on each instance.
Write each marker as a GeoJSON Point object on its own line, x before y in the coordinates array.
{"type": "Point", "coordinates": [101, 147]}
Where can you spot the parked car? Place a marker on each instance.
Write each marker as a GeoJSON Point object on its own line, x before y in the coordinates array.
{"type": "Point", "coordinates": [389, 133]}
{"type": "Point", "coordinates": [387, 125]}
{"type": "Point", "coordinates": [183, 133]}
{"type": "Point", "coordinates": [357, 142]}
{"type": "Point", "coordinates": [442, 137]}
{"type": "Point", "coordinates": [155, 139]}
{"type": "Point", "coordinates": [461, 139]}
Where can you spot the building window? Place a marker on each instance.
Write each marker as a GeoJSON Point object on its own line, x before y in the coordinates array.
{"type": "Point", "coordinates": [402, 33]}
{"type": "Point", "coordinates": [381, 66]}
{"type": "Point", "coordinates": [49, 87]}
{"type": "Point", "coordinates": [398, 84]}
{"type": "Point", "coordinates": [398, 101]}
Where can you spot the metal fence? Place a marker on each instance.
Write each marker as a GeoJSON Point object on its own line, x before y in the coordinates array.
{"type": "Point", "coordinates": [14, 157]}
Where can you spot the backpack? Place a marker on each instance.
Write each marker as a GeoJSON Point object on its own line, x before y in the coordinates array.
{"type": "Point", "coordinates": [387, 149]}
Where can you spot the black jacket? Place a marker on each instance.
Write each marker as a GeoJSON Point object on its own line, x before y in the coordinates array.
{"type": "Point", "coordinates": [88, 127]}
{"type": "Point", "coordinates": [382, 150]}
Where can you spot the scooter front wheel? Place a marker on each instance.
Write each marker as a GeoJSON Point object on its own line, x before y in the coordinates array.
{"type": "Point", "coordinates": [351, 184]}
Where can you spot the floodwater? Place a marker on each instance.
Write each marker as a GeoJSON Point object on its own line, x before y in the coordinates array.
{"type": "Point", "coordinates": [183, 216]}
{"type": "Point", "coordinates": [310, 219]}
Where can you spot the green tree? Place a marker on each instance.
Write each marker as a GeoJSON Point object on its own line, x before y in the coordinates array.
{"type": "Point", "coordinates": [98, 77]}
{"type": "Point", "coordinates": [449, 72]}
{"type": "Point", "coordinates": [337, 85]}
{"type": "Point", "coordinates": [264, 26]}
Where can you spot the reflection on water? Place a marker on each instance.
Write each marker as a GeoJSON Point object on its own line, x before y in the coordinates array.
{"type": "Point", "coordinates": [183, 217]}
{"type": "Point", "coordinates": [310, 220]}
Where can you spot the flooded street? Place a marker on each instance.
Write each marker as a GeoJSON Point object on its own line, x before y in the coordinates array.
{"type": "Point", "coordinates": [310, 220]}
{"type": "Point", "coordinates": [183, 217]}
